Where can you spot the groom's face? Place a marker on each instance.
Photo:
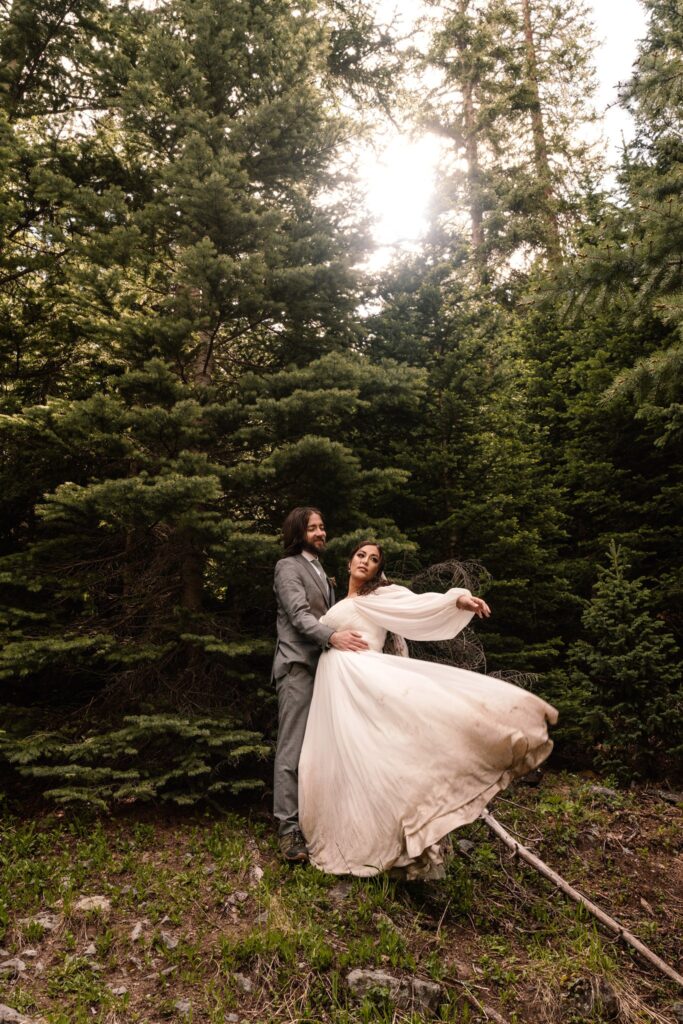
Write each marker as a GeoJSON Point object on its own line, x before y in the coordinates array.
{"type": "Point", "coordinates": [315, 534]}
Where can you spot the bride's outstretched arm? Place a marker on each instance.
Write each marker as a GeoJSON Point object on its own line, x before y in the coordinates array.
{"type": "Point", "coordinates": [421, 616]}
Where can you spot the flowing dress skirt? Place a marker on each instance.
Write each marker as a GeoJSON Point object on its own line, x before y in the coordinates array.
{"type": "Point", "coordinates": [400, 752]}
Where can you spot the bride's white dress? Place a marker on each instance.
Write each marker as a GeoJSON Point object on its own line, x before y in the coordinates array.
{"type": "Point", "coordinates": [399, 752]}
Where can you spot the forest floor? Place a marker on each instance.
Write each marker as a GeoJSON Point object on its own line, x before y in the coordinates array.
{"type": "Point", "coordinates": [199, 921]}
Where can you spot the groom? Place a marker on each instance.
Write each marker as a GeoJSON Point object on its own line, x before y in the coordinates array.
{"type": "Point", "coordinates": [303, 594]}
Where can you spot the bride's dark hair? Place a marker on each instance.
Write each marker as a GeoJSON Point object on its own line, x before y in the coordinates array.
{"type": "Point", "coordinates": [379, 579]}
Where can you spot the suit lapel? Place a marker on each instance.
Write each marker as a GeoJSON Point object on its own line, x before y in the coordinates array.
{"type": "Point", "coordinates": [322, 583]}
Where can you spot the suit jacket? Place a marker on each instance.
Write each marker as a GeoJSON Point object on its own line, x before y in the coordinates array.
{"type": "Point", "coordinates": [302, 598]}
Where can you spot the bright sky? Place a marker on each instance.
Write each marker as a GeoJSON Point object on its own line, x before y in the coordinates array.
{"type": "Point", "coordinates": [399, 178]}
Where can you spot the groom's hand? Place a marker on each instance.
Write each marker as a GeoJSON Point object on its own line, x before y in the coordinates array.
{"type": "Point", "coordinates": [348, 640]}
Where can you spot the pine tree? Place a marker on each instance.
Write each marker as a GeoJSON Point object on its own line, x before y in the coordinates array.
{"type": "Point", "coordinates": [628, 671]}
{"type": "Point", "coordinates": [614, 337]}
{"type": "Point", "coordinates": [478, 488]}
{"type": "Point", "coordinates": [200, 286]}
{"type": "Point", "coordinates": [516, 82]}
{"type": "Point", "coordinates": [641, 261]}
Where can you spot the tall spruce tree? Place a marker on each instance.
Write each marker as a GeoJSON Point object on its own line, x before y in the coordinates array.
{"type": "Point", "coordinates": [204, 287]}
{"type": "Point", "coordinates": [514, 100]}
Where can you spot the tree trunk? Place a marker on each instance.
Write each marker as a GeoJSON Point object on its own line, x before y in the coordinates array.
{"type": "Point", "coordinates": [473, 169]}
{"type": "Point", "coordinates": [204, 362]}
{"type": "Point", "coordinates": [191, 573]}
{"type": "Point", "coordinates": [541, 162]}
{"type": "Point", "coordinates": [191, 558]}
{"type": "Point", "coordinates": [472, 155]}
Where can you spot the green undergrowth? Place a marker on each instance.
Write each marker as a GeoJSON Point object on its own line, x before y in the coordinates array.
{"type": "Point", "coordinates": [205, 924]}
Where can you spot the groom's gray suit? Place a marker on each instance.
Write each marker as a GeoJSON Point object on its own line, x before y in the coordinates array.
{"type": "Point", "coordinates": [303, 596]}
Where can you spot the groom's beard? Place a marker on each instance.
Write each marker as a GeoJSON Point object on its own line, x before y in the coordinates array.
{"type": "Point", "coordinates": [312, 549]}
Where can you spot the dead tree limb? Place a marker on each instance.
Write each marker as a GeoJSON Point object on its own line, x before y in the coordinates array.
{"type": "Point", "coordinates": [592, 908]}
{"type": "Point", "coordinates": [464, 992]}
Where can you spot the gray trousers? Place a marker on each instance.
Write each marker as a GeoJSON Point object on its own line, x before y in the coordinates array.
{"type": "Point", "coordinates": [294, 693]}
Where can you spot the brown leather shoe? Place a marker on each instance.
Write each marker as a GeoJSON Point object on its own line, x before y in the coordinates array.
{"type": "Point", "coordinates": [293, 847]}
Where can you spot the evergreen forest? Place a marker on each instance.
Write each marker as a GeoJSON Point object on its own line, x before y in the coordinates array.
{"type": "Point", "coordinates": [192, 342]}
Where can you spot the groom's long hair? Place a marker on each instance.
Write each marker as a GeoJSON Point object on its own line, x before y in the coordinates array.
{"type": "Point", "coordinates": [294, 528]}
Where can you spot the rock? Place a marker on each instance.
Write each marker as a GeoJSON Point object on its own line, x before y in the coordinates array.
{"type": "Point", "coordinates": [210, 869]}
{"type": "Point", "coordinates": [169, 970]}
{"type": "Point", "coordinates": [671, 797]}
{"type": "Point", "coordinates": [243, 983]}
{"type": "Point", "coordinates": [410, 994]}
{"type": "Point", "coordinates": [262, 918]}
{"type": "Point", "coordinates": [466, 846]}
{"type": "Point", "coordinates": [238, 897]}
{"type": "Point", "coordinates": [90, 950]}
{"type": "Point", "coordinates": [463, 970]}
{"type": "Point", "coordinates": [676, 1012]}
{"type": "Point", "coordinates": [10, 1016]}
{"type": "Point", "coordinates": [362, 983]}
{"type": "Point", "coordinates": [605, 791]}
{"type": "Point", "coordinates": [119, 990]}
{"type": "Point", "coordinates": [29, 953]}
{"type": "Point", "coordinates": [231, 1018]}
{"type": "Point", "coordinates": [136, 932]}
{"type": "Point", "coordinates": [89, 904]}
{"type": "Point", "coordinates": [340, 891]}
{"type": "Point", "coordinates": [12, 967]}
{"type": "Point", "coordinates": [183, 1005]}
{"type": "Point", "coordinates": [425, 996]}
{"type": "Point", "coordinates": [48, 922]}
{"type": "Point", "coordinates": [4, 952]}
{"type": "Point", "coordinates": [588, 997]}
{"type": "Point", "coordinates": [257, 873]}
{"type": "Point", "coordinates": [169, 940]}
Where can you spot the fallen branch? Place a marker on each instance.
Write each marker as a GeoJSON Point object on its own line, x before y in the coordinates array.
{"type": "Point", "coordinates": [480, 1007]}
{"type": "Point", "coordinates": [592, 908]}
{"type": "Point", "coordinates": [462, 988]}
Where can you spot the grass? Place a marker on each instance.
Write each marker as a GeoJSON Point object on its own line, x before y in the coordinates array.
{"type": "Point", "coordinates": [202, 911]}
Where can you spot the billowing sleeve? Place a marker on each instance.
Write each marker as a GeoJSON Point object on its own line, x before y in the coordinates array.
{"type": "Point", "coordinates": [415, 616]}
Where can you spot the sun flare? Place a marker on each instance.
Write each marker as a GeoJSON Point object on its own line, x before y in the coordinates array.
{"type": "Point", "coordinates": [400, 182]}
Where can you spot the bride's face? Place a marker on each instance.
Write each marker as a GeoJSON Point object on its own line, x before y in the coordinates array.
{"type": "Point", "coordinates": [364, 563]}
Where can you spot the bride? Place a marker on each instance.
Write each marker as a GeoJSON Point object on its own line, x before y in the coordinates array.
{"type": "Point", "coordinates": [400, 752]}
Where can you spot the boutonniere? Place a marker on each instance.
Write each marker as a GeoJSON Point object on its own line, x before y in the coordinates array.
{"type": "Point", "coordinates": [332, 582]}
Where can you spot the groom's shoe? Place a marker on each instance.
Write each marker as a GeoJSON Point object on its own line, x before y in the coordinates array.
{"type": "Point", "coordinates": [293, 847]}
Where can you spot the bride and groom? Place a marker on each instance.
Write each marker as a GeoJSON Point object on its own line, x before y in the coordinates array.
{"type": "Point", "coordinates": [378, 756]}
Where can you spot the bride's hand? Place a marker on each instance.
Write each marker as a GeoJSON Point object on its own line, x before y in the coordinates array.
{"type": "Point", "coordinates": [473, 604]}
